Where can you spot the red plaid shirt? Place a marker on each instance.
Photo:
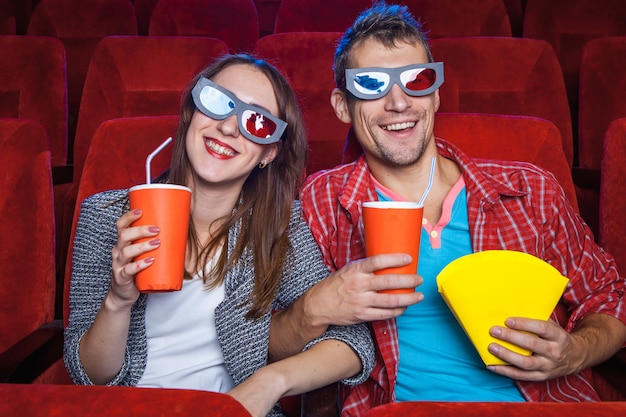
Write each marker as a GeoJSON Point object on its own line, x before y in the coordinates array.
{"type": "Point", "coordinates": [514, 206]}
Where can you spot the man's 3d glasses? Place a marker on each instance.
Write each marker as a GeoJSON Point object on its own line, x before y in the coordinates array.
{"type": "Point", "coordinates": [416, 80]}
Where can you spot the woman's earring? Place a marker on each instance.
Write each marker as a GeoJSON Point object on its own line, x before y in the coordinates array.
{"type": "Point", "coordinates": [263, 164]}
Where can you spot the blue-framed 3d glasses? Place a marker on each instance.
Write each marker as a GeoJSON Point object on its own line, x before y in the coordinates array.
{"type": "Point", "coordinates": [255, 123]}
{"type": "Point", "coordinates": [416, 80]}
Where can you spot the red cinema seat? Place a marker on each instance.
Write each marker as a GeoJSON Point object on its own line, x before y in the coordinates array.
{"type": "Point", "coordinates": [504, 75]}
{"type": "Point", "coordinates": [313, 83]}
{"type": "Point", "coordinates": [34, 86]}
{"type": "Point", "coordinates": [80, 25]}
{"type": "Point", "coordinates": [27, 330]}
{"type": "Point", "coordinates": [567, 25]}
{"type": "Point", "coordinates": [233, 21]}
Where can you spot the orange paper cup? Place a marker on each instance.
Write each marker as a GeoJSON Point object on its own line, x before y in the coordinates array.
{"type": "Point", "coordinates": [167, 207]}
{"type": "Point", "coordinates": [393, 227]}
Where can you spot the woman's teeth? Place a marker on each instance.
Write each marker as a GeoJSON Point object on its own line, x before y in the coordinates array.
{"type": "Point", "coordinates": [400, 126]}
{"type": "Point", "coordinates": [222, 150]}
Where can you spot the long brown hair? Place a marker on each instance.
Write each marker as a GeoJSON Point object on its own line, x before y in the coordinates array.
{"type": "Point", "coordinates": [266, 198]}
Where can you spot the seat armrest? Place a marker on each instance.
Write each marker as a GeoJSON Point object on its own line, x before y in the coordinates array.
{"type": "Point", "coordinates": [32, 355]}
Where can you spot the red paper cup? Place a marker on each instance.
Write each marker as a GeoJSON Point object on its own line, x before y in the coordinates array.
{"type": "Point", "coordinates": [167, 207]}
{"type": "Point", "coordinates": [393, 227]}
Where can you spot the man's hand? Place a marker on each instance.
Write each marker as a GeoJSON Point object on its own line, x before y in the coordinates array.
{"type": "Point", "coordinates": [555, 352]}
{"type": "Point", "coordinates": [351, 295]}
{"type": "Point", "coordinates": [347, 296]}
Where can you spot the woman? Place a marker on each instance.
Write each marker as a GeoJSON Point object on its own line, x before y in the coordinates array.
{"type": "Point", "coordinates": [241, 148]}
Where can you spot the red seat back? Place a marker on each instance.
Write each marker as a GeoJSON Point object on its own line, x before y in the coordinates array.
{"type": "Point", "coordinates": [138, 76]}
{"type": "Point", "coordinates": [116, 159]}
{"type": "Point", "coordinates": [612, 221]}
{"type": "Point", "coordinates": [602, 95]}
{"type": "Point", "coordinates": [80, 25]}
{"type": "Point", "coordinates": [27, 229]}
{"type": "Point", "coordinates": [505, 76]}
{"type": "Point", "coordinates": [567, 25]}
{"type": "Point", "coordinates": [441, 18]}
{"type": "Point", "coordinates": [306, 59]}
{"type": "Point", "coordinates": [233, 21]}
{"type": "Point", "coordinates": [33, 86]}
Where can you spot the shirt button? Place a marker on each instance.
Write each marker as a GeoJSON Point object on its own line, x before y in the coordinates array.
{"type": "Point", "coordinates": [424, 221]}
{"type": "Point", "coordinates": [434, 233]}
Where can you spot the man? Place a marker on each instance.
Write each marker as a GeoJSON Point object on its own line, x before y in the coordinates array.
{"type": "Point", "coordinates": [387, 87]}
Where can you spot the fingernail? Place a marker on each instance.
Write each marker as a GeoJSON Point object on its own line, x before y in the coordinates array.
{"type": "Point", "coordinates": [494, 348]}
{"type": "Point", "coordinates": [495, 331]}
{"type": "Point", "coordinates": [155, 242]}
{"type": "Point", "coordinates": [154, 229]}
{"type": "Point", "coordinates": [148, 260]}
{"type": "Point", "coordinates": [137, 211]}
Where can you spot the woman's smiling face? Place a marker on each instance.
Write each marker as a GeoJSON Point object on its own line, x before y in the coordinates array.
{"type": "Point", "coordinates": [218, 152]}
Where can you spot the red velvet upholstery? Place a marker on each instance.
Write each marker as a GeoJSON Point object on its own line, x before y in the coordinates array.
{"type": "Point", "coordinates": [504, 76]}
{"type": "Point", "coordinates": [529, 139]}
{"type": "Point", "coordinates": [478, 409]}
{"type": "Point", "coordinates": [441, 18]}
{"type": "Point", "coordinates": [138, 76]}
{"type": "Point", "coordinates": [80, 24]}
{"type": "Point", "coordinates": [567, 25]}
{"type": "Point", "coordinates": [27, 230]}
{"type": "Point", "coordinates": [116, 159]}
{"type": "Point", "coordinates": [602, 95]}
{"type": "Point", "coordinates": [33, 86]}
{"type": "Point", "coordinates": [613, 193]}
{"type": "Point", "coordinates": [306, 59]}
{"type": "Point", "coordinates": [233, 21]}
{"type": "Point", "coordinates": [100, 401]}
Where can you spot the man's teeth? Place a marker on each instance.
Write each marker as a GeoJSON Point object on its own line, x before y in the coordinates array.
{"type": "Point", "coordinates": [222, 150]}
{"type": "Point", "coordinates": [400, 126]}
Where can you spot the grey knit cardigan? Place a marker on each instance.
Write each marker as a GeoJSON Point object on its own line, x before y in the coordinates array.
{"type": "Point", "coordinates": [244, 342]}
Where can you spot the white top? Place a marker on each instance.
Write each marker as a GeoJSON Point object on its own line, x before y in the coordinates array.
{"type": "Point", "coordinates": [183, 350]}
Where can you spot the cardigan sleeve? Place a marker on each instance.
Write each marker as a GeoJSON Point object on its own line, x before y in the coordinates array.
{"type": "Point", "coordinates": [306, 268]}
{"type": "Point", "coordinates": [91, 275]}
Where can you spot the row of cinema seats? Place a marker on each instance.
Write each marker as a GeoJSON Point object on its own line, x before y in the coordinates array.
{"type": "Point", "coordinates": [123, 74]}
{"type": "Point", "coordinates": [44, 401]}
{"type": "Point", "coordinates": [566, 25]}
{"type": "Point", "coordinates": [144, 75]}
{"type": "Point", "coordinates": [31, 338]}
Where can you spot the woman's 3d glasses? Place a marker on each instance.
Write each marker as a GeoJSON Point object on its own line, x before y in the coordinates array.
{"type": "Point", "coordinates": [255, 123]}
{"type": "Point", "coordinates": [416, 80]}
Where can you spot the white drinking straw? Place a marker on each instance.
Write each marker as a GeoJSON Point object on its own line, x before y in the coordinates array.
{"type": "Point", "coordinates": [430, 181]}
{"type": "Point", "coordinates": [152, 155]}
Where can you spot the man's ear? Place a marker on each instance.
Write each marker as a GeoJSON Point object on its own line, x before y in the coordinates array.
{"type": "Point", "coordinates": [340, 105]}
{"type": "Point", "coordinates": [437, 100]}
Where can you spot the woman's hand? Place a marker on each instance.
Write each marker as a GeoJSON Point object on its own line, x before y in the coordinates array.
{"type": "Point", "coordinates": [124, 292]}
